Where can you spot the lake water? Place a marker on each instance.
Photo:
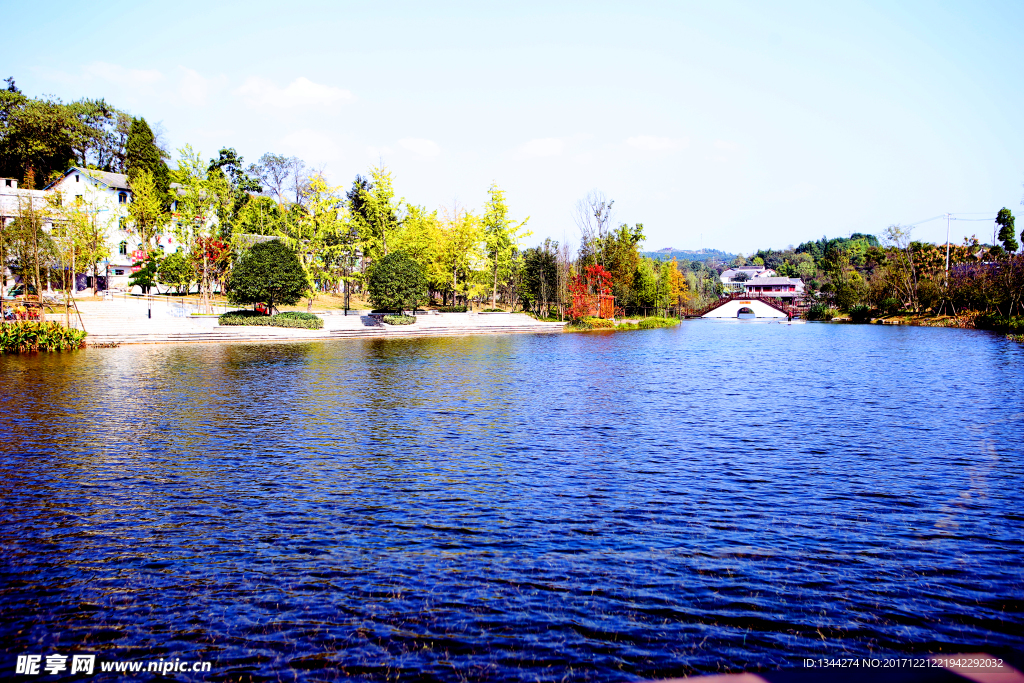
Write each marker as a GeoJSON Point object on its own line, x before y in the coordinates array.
{"type": "Point", "coordinates": [582, 506]}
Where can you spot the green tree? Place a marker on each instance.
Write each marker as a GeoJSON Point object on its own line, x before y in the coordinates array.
{"type": "Point", "coordinates": [645, 291]}
{"type": "Point", "coordinates": [143, 154]}
{"type": "Point", "coordinates": [1004, 219]}
{"type": "Point", "coordinates": [177, 270]}
{"type": "Point", "coordinates": [36, 138]}
{"type": "Point", "coordinates": [395, 282]}
{"type": "Point", "coordinates": [539, 285]}
{"type": "Point", "coordinates": [377, 213]}
{"type": "Point", "coordinates": [230, 165]}
{"type": "Point", "coordinates": [268, 273]}
{"type": "Point", "coordinates": [200, 199]}
{"type": "Point", "coordinates": [147, 212]}
{"type": "Point", "coordinates": [459, 249]}
{"type": "Point", "coordinates": [145, 276]}
{"type": "Point", "coordinates": [261, 216]}
{"type": "Point", "coordinates": [319, 223]}
{"type": "Point", "coordinates": [622, 257]}
{"type": "Point", "coordinates": [501, 235]}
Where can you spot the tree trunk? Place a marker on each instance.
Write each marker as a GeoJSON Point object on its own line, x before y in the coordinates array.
{"type": "Point", "coordinates": [494, 292]}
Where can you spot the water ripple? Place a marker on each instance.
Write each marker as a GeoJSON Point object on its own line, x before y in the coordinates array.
{"type": "Point", "coordinates": [587, 507]}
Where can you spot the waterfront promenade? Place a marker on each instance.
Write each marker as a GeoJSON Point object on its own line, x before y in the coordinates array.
{"type": "Point", "coordinates": [128, 321]}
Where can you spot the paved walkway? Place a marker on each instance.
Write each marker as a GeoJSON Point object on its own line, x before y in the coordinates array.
{"type": "Point", "coordinates": [127, 322]}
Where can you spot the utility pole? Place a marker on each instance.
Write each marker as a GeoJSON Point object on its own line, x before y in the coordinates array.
{"type": "Point", "coordinates": [947, 246]}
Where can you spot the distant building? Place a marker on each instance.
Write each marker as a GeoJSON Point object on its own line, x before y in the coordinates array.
{"type": "Point", "coordinates": [782, 288]}
{"type": "Point", "coordinates": [734, 278]}
{"type": "Point", "coordinates": [106, 197]}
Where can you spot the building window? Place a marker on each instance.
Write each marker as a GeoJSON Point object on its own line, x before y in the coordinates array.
{"type": "Point", "coordinates": [76, 179]}
{"type": "Point", "coordinates": [118, 271]}
{"type": "Point", "coordinates": [122, 198]}
{"type": "Point", "coordinates": [122, 249]}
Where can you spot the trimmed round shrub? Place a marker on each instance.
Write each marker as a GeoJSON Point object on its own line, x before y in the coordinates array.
{"type": "Point", "coordinates": [396, 282]}
{"type": "Point", "coordinates": [268, 273]}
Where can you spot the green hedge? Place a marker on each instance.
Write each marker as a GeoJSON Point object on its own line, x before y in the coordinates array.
{"type": "Point", "coordinates": [33, 335]}
{"type": "Point", "coordinates": [306, 321]}
{"type": "Point", "coordinates": [399, 319]}
{"type": "Point", "coordinates": [451, 309]}
{"type": "Point", "coordinates": [297, 315]}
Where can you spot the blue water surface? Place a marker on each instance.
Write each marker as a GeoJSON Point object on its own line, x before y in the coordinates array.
{"type": "Point", "coordinates": [602, 506]}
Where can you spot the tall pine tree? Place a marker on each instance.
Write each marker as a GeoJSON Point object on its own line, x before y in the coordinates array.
{"type": "Point", "coordinates": [142, 153]}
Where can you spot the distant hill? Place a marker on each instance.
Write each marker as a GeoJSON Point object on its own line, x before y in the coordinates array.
{"type": "Point", "coordinates": [705, 255]}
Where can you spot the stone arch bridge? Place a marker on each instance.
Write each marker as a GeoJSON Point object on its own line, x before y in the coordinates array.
{"type": "Point", "coordinates": [731, 307]}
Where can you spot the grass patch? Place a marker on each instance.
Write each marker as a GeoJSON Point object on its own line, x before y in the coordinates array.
{"type": "Point", "coordinates": [602, 324]}
{"type": "Point", "coordinates": [399, 319]}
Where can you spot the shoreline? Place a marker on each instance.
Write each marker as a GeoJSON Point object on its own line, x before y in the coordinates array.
{"type": "Point", "coordinates": [111, 324]}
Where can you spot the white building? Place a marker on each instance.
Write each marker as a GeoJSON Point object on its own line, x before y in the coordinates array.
{"type": "Point", "coordinates": [12, 201]}
{"type": "Point", "coordinates": [735, 277]}
{"type": "Point", "coordinates": [787, 289]}
{"type": "Point", "coordinates": [105, 197]}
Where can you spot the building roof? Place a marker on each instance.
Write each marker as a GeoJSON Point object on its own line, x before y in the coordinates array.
{"type": "Point", "coordinates": [762, 281]}
{"type": "Point", "coordinates": [117, 181]}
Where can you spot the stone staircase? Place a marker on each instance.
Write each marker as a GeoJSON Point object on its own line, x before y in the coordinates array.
{"type": "Point", "coordinates": [111, 323]}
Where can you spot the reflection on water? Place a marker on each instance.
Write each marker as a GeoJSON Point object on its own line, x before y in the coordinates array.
{"type": "Point", "coordinates": [607, 506]}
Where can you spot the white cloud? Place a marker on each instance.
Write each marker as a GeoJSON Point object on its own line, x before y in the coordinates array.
{"type": "Point", "coordinates": [541, 147]}
{"type": "Point", "coordinates": [301, 92]}
{"type": "Point", "coordinates": [726, 145]}
{"type": "Point", "coordinates": [192, 87]}
{"type": "Point", "coordinates": [119, 74]}
{"type": "Point", "coordinates": [655, 144]}
{"type": "Point", "coordinates": [425, 148]}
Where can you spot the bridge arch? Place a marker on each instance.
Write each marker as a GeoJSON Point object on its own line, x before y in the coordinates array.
{"type": "Point", "coordinates": [730, 308]}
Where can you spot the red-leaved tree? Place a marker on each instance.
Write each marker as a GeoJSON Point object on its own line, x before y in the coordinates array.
{"type": "Point", "coordinates": [585, 291]}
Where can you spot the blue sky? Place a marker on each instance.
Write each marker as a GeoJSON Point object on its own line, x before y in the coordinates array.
{"type": "Point", "coordinates": [736, 125]}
